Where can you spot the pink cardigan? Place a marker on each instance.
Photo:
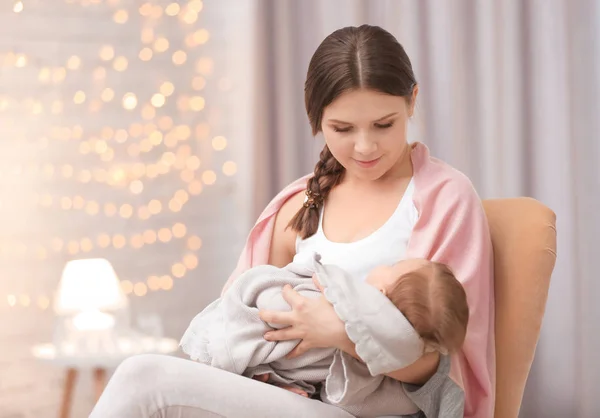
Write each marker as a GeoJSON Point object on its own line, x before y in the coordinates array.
{"type": "Point", "coordinates": [452, 228]}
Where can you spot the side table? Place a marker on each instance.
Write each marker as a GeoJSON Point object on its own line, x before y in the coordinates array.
{"type": "Point", "coordinates": [99, 363]}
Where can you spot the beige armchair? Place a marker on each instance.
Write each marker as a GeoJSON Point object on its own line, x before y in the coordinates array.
{"type": "Point", "coordinates": [524, 239]}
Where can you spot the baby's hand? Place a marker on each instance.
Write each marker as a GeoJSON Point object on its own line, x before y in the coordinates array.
{"type": "Point", "coordinates": [265, 377]}
{"type": "Point", "coordinates": [294, 389]}
{"type": "Point", "coordinates": [317, 283]}
{"type": "Point", "coordinates": [261, 377]}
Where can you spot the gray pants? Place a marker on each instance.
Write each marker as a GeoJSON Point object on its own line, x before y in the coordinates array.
{"type": "Point", "coordinates": [153, 386]}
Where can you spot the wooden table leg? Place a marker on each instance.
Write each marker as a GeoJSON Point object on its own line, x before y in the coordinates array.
{"type": "Point", "coordinates": [69, 385]}
{"type": "Point", "coordinates": [99, 382]}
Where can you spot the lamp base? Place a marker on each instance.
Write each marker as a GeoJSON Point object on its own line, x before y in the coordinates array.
{"type": "Point", "coordinates": [93, 320]}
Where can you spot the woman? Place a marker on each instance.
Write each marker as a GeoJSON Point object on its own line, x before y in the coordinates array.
{"type": "Point", "coordinates": [373, 199]}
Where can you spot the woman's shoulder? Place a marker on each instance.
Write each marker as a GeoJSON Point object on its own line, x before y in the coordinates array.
{"type": "Point", "coordinates": [435, 179]}
{"type": "Point", "coordinates": [290, 207]}
{"type": "Point", "coordinates": [439, 175]}
{"type": "Point", "coordinates": [283, 242]}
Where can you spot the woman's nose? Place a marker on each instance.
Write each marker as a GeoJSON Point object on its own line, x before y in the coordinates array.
{"type": "Point", "coordinates": [364, 145]}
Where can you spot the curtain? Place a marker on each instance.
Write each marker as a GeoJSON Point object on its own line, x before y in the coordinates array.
{"type": "Point", "coordinates": [509, 94]}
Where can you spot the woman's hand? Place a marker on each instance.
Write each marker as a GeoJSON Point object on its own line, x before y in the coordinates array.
{"type": "Point", "coordinates": [313, 321]}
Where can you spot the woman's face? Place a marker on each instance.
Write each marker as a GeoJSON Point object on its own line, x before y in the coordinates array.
{"type": "Point", "coordinates": [365, 131]}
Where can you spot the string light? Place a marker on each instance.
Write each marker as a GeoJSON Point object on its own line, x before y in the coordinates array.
{"type": "Point", "coordinates": [18, 7]}
{"type": "Point", "coordinates": [136, 241]}
{"type": "Point", "coordinates": [178, 270]}
{"type": "Point", "coordinates": [153, 283]}
{"type": "Point", "coordinates": [219, 143]}
{"type": "Point", "coordinates": [120, 64]}
{"type": "Point", "coordinates": [107, 53]}
{"type": "Point", "coordinates": [166, 283]}
{"type": "Point", "coordinates": [74, 63]}
{"type": "Point", "coordinates": [107, 94]}
{"type": "Point", "coordinates": [129, 101]}
{"type": "Point", "coordinates": [194, 243]}
{"type": "Point", "coordinates": [179, 57]}
{"type": "Point", "coordinates": [189, 16]}
{"type": "Point", "coordinates": [25, 300]}
{"type": "Point", "coordinates": [197, 103]}
{"type": "Point", "coordinates": [121, 16]}
{"type": "Point", "coordinates": [146, 9]}
{"type": "Point", "coordinates": [154, 206]}
{"type": "Point", "coordinates": [158, 100]}
{"type": "Point", "coordinates": [209, 177]}
{"type": "Point", "coordinates": [229, 168]}
{"type": "Point", "coordinates": [20, 61]}
{"type": "Point", "coordinates": [200, 37]}
{"type": "Point", "coordinates": [157, 12]}
{"type": "Point", "coordinates": [167, 89]}
{"type": "Point", "coordinates": [79, 97]}
{"type": "Point", "coordinates": [172, 9]}
{"type": "Point", "coordinates": [154, 130]}
{"type": "Point", "coordinates": [43, 302]}
{"type": "Point", "coordinates": [161, 45]}
{"type": "Point", "coordinates": [181, 160]}
{"type": "Point", "coordinates": [146, 54]}
{"type": "Point", "coordinates": [195, 5]}
{"type": "Point", "coordinates": [58, 75]}
{"type": "Point", "coordinates": [205, 66]}
{"type": "Point", "coordinates": [140, 289]}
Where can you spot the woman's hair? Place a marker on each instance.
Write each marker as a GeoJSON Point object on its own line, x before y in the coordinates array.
{"type": "Point", "coordinates": [350, 58]}
{"type": "Point", "coordinates": [435, 303]}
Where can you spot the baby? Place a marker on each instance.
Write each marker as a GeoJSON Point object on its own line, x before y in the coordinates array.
{"type": "Point", "coordinates": [228, 334]}
{"type": "Point", "coordinates": [431, 299]}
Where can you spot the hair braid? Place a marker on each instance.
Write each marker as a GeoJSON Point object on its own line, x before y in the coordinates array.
{"type": "Point", "coordinates": [328, 173]}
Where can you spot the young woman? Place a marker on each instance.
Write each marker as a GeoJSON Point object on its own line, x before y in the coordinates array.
{"type": "Point", "coordinates": [373, 199]}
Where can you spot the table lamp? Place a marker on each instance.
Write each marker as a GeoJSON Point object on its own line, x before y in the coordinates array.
{"type": "Point", "coordinates": [92, 326]}
{"type": "Point", "coordinates": [88, 302]}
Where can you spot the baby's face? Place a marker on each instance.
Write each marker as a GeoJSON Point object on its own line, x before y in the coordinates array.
{"type": "Point", "coordinates": [383, 277]}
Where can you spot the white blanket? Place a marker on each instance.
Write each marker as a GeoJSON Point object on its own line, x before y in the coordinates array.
{"type": "Point", "coordinates": [228, 334]}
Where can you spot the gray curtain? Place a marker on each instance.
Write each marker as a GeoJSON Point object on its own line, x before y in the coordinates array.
{"type": "Point", "coordinates": [510, 95]}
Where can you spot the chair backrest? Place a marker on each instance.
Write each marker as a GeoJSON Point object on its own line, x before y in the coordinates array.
{"type": "Point", "coordinates": [524, 238]}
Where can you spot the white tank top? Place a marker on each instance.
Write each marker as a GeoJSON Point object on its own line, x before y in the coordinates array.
{"type": "Point", "coordinates": [385, 246]}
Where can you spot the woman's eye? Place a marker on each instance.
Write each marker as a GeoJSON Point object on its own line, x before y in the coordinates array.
{"type": "Point", "coordinates": [384, 126]}
{"type": "Point", "coordinates": [336, 129]}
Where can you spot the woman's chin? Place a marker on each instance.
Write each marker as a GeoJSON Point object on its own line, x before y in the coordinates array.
{"type": "Point", "coordinates": [367, 174]}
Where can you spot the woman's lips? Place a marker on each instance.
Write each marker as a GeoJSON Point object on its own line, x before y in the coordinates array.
{"type": "Point", "coordinates": [367, 164]}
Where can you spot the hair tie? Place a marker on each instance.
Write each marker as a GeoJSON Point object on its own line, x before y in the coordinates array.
{"type": "Point", "coordinates": [312, 200]}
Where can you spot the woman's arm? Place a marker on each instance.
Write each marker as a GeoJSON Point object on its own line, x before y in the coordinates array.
{"type": "Point", "coordinates": [283, 241]}
{"type": "Point", "coordinates": [417, 373]}
{"type": "Point", "coordinates": [315, 322]}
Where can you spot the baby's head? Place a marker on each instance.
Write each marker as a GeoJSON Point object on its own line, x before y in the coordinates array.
{"type": "Point", "coordinates": [431, 299]}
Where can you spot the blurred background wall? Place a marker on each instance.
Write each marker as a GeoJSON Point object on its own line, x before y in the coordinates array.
{"type": "Point", "coordinates": [152, 133]}
{"type": "Point", "coordinates": [122, 131]}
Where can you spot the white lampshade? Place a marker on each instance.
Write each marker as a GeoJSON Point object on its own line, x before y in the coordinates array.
{"type": "Point", "coordinates": [89, 285]}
